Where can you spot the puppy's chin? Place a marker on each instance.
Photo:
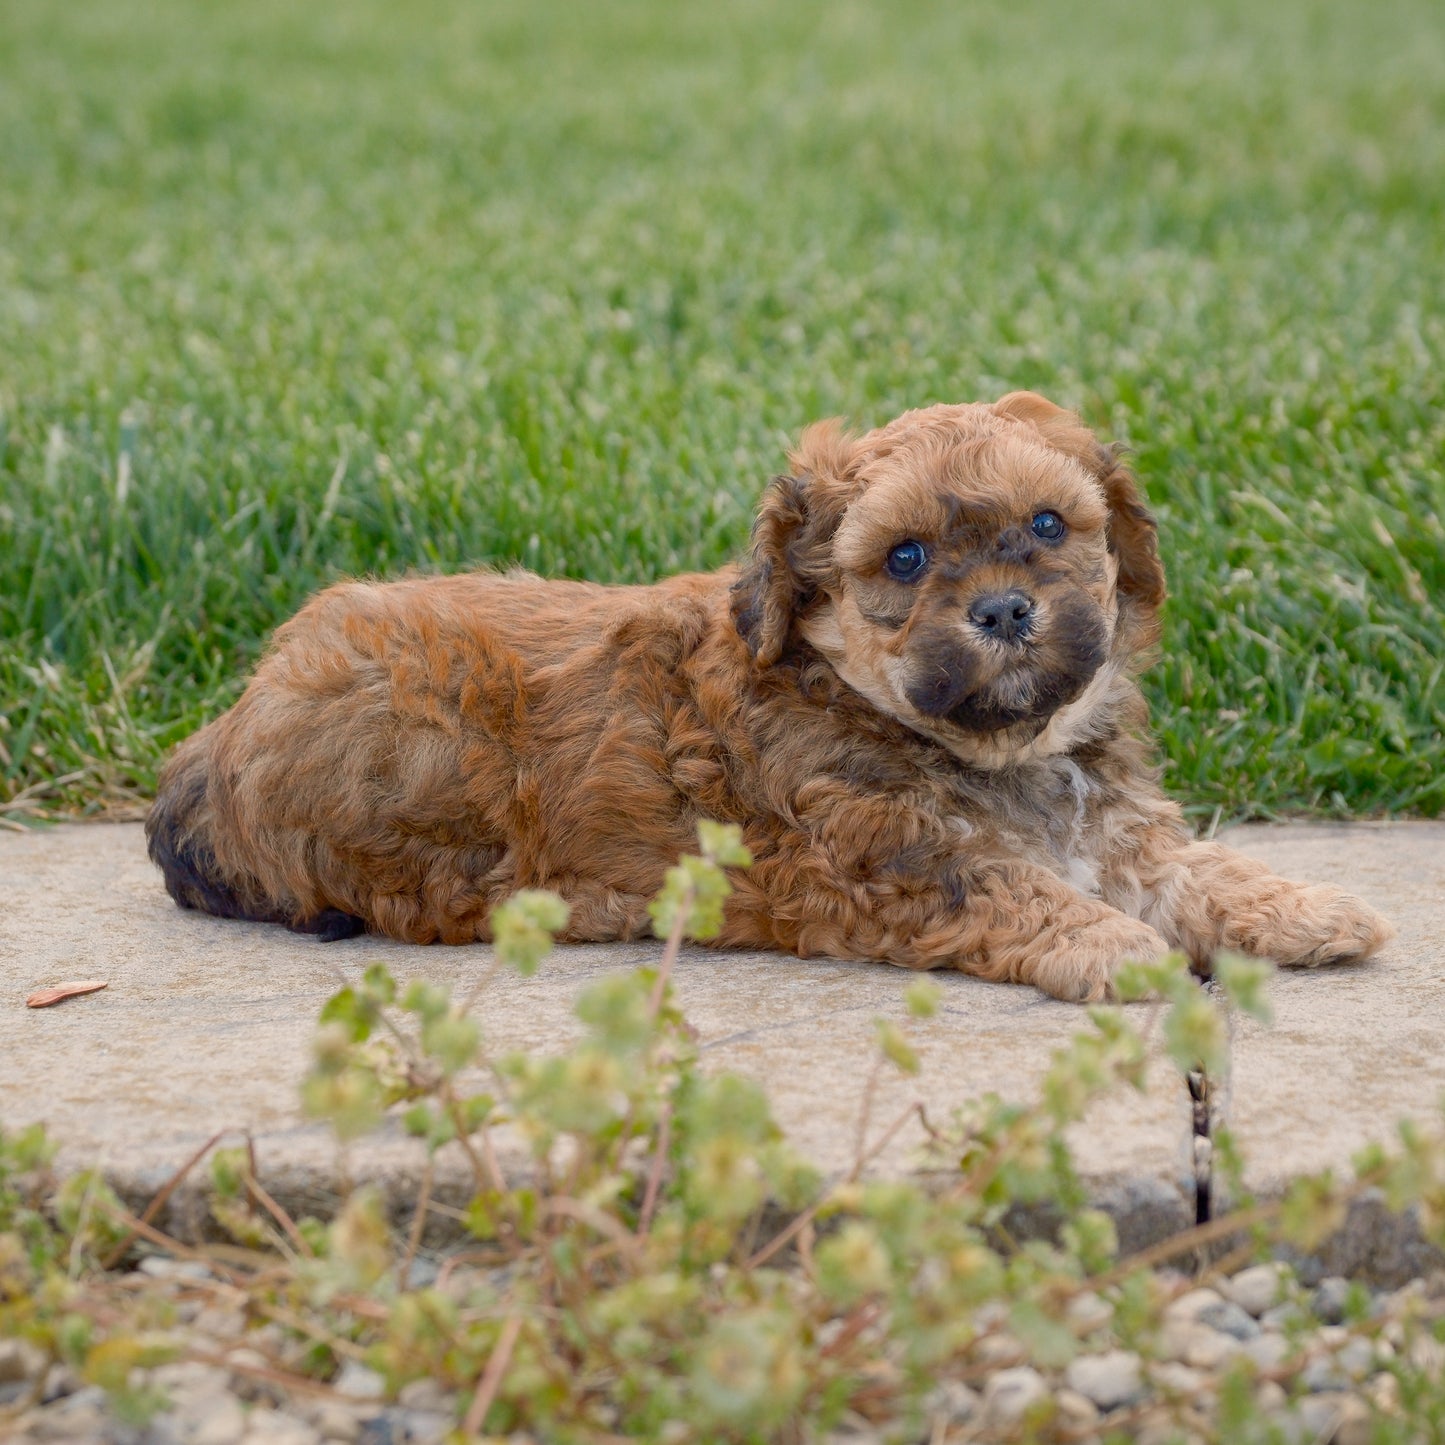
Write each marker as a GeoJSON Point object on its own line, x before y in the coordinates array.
{"type": "Point", "coordinates": [985, 688]}
{"type": "Point", "coordinates": [993, 728]}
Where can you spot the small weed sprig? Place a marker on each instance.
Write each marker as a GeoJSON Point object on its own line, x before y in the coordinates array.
{"type": "Point", "coordinates": [646, 1257]}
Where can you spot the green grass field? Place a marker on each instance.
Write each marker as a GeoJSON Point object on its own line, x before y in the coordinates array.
{"type": "Point", "coordinates": [289, 292]}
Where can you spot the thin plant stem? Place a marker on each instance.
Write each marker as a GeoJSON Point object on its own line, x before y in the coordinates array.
{"type": "Point", "coordinates": [670, 951]}
{"type": "Point", "coordinates": [491, 1380]}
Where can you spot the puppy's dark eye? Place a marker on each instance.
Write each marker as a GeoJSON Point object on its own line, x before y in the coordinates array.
{"type": "Point", "coordinates": [906, 561]}
{"type": "Point", "coordinates": [1049, 526]}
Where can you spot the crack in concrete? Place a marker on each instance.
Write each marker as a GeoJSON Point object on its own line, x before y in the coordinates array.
{"type": "Point", "coordinates": [1202, 1150]}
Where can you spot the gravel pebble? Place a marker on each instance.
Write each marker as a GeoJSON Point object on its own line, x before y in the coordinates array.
{"type": "Point", "coordinates": [1426, 1354]}
{"type": "Point", "coordinates": [1001, 1349]}
{"type": "Point", "coordinates": [1270, 1396]}
{"type": "Point", "coordinates": [1340, 1419]}
{"type": "Point", "coordinates": [80, 1416]}
{"type": "Point", "coordinates": [1285, 1316]}
{"type": "Point", "coordinates": [1088, 1311]}
{"type": "Point", "coordinates": [1009, 1393]}
{"type": "Point", "coordinates": [1176, 1379]}
{"type": "Point", "coordinates": [1229, 1319]}
{"type": "Point", "coordinates": [1328, 1300]}
{"type": "Point", "coordinates": [424, 1427]}
{"type": "Point", "coordinates": [952, 1401]}
{"type": "Point", "coordinates": [275, 1427]}
{"type": "Point", "coordinates": [1194, 1344]}
{"type": "Point", "coordinates": [159, 1266]}
{"type": "Point", "coordinates": [1190, 1304]}
{"type": "Point", "coordinates": [334, 1421]}
{"type": "Point", "coordinates": [1268, 1350]}
{"type": "Point", "coordinates": [1255, 1289]}
{"type": "Point", "coordinates": [20, 1361]}
{"type": "Point", "coordinates": [427, 1396]}
{"type": "Point", "coordinates": [1108, 1380]}
{"type": "Point", "coordinates": [1076, 1411]}
{"type": "Point", "coordinates": [357, 1382]}
{"type": "Point", "coordinates": [215, 1418]}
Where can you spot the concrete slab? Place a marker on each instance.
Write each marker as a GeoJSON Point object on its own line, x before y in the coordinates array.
{"type": "Point", "coordinates": [205, 1026]}
{"type": "Point", "coordinates": [1352, 1051]}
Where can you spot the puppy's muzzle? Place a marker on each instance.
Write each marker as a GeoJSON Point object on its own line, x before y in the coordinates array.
{"type": "Point", "coordinates": [1003, 616]}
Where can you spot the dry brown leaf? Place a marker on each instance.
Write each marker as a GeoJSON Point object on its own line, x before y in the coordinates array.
{"type": "Point", "coordinates": [43, 998]}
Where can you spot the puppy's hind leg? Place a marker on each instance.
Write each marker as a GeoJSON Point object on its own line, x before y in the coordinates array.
{"type": "Point", "coordinates": [331, 925]}
{"type": "Point", "coordinates": [179, 836]}
{"type": "Point", "coordinates": [181, 839]}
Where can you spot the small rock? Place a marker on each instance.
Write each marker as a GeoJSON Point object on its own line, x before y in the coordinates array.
{"type": "Point", "coordinates": [1270, 1396]}
{"type": "Point", "coordinates": [275, 1427]}
{"type": "Point", "coordinates": [1075, 1411]}
{"type": "Point", "coordinates": [427, 1395]}
{"type": "Point", "coordinates": [159, 1266]}
{"type": "Point", "coordinates": [20, 1361]}
{"type": "Point", "coordinates": [81, 1416]}
{"type": "Point", "coordinates": [334, 1421]}
{"type": "Point", "coordinates": [1165, 1431]}
{"type": "Point", "coordinates": [1189, 1305]}
{"type": "Point", "coordinates": [1328, 1301]}
{"type": "Point", "coordinates": [423, 1273]}
{"type": "Point", "coordinates": [219, 1324]}
{"type": "Point", "coordinates": [187, 1377]}
{"type": "Point", "coordinates": [1009, 1393]}
{"type": "Point", "coordinates": [247, 1381]}
{"type": "Point", "coordinates": [1255, 1289]}
{"type": "Point", "coordinates": [424, 1427]}
{"type": "Point", "coordinates": [1176, 1379]}
{"type": "Point", "coordinates": [851, 1430]}
{"type": "Point", "coordinates": [1356, 1357]}
{"type": "Point", "coordinates": [215, 1418]}
{"type": "Point", "coordinates": [1001, 1349]}
{"type": "Point", "coordinates": [1383, 1391]}
{"type": "Point", "coordinates": [1340, 1419]}
{"type": "Point", "coordinates": [60, 1381]}
{"type": "Point", "coordinates": [357, 1382]}
{"type": "Point", "coordinates": [1108, 1380]}
{"type": "Point", "coordinates": [1268, 1350]}
{"type": "Point", "coordinates": [1197, 1345]}
{"type": "Point", "coordinates": [1323, 1375]}
{"type": "Point", "coordinates": [1426, 1354]}
{"type": "Point", "coordinates": [1285, 1316]}
{"type": "Point", "coordinates": [1229, 1319]}
{"type": "Point", "coordinates": [466, 1281]}
{"type": "Point", "coordinates": [952, 1402]}
{"type": "Point", "coordinates": [1088, 1311]}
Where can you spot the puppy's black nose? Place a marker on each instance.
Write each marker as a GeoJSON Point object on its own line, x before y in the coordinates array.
{"type": "Point", "coordinates": [1002, 615]}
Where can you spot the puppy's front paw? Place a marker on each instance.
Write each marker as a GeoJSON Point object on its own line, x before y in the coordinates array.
{"type": "Point", "coordinates": [1080, 965]}
{"type": "Point", "coordinates": [1309, 926]}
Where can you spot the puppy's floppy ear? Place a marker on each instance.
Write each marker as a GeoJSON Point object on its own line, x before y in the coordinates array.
{"type": "Point", "coordinates": [791, 562]}
{"type": "Point", "coordinates": [1133, 535]}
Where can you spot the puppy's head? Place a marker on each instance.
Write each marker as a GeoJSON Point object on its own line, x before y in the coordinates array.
{"type": "Point", "coordinates": [982, 573]}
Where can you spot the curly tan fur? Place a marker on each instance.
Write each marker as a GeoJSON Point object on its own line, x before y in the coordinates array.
{"type": "Point", "coordinates": [921, 780]}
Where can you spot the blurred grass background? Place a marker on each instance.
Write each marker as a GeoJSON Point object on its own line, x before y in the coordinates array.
{"type": "Point", "coordinates": [290, 292]}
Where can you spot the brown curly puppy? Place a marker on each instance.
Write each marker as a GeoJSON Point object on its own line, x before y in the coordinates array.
{"type": "Point", "coordinates": [916, 696]}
